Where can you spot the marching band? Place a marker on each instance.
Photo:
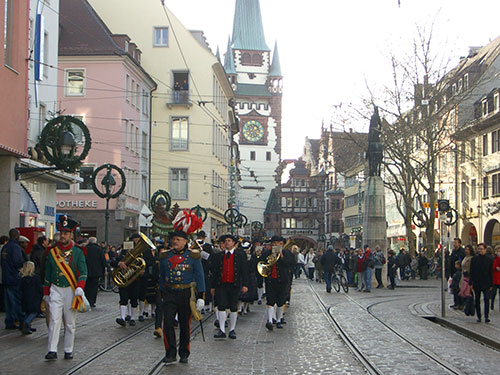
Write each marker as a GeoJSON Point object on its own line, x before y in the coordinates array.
{"type": "Point", "coordinates": [181, 279]}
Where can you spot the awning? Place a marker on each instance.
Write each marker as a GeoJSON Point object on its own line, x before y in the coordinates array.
{"type": "Point", "coordinates": [27, 202]}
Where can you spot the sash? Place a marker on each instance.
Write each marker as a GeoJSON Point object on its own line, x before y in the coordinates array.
{"type": "Point", "coordinates": [70, 276]}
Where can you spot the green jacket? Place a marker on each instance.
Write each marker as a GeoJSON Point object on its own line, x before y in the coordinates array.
{"type": "Point", "coordinates": [76, 261]}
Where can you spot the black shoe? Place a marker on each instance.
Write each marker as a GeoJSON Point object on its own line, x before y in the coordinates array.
{"type": "Point", "coordinates": [121, 322]}
{"type": "Point", "coordinates": [141, 318]}
{"type": "Point", "coordinates": [478, 320]}
{"type": "Point", "coordinates": [278, 325]}
{"type": "Point", "coordinates": [127, 318]}
{"type": "Point", "coordinates": [216, 323]}
{"type": "Point", "coordinates": [68, 355]}
{"type": "Point", "coordinates": [269, 326]}
{"type": "Point", "coordinates": [220, 335]}
{"type": "Point", "coordinates": [328, 290]}
{"type": "Point", "coordinates": [183, 359]}
{"type": "Point", "coordinates": [259, 302]}
{"type": "Point", "coordinates": [51, 356]}
{"type": "Point", "coordinates": [32, 329]}
{"type": "Point", "coordinates": [92, 305]}
{"type": "Point", "coordinates": [176, 323]}
{"type": "Point", "coordinates": [274, 321]}
{"type": "Point", "coordinates": [132, 322]}
{"type": "Point", "coordinates": [12, 327]}
{"type": "Point", "coordinates": [282, 321]}
{"type": "Point", "coordinates": [169, 358]}
{"type": "Point", "coordinates": [487, 320]}
{"type": "Point", "coordinates": [232, 335]}
{"type": "Point", "coordinates": [146, 314]}
{"type": "Point", "coordinates": [25, 329]}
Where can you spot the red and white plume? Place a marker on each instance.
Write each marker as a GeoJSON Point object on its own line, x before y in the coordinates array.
{"type": "Point", "coordinates": [187, 221]}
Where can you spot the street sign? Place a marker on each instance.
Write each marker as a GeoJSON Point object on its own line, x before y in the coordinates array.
{"type": "Point", "coordinates": [146, 212]}
{"type": "Point", "coordinates": [145, 221]}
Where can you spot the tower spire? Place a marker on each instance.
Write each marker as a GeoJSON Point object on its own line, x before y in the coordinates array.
{"type": "Point", "coordinates": [228, 59]}
{"type": "Point", "coordinates": [248, 31]}
{"type": "Point", "coordinates": [275, 70]}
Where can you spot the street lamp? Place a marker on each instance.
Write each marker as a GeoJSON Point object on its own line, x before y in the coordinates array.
{"type": "Point", "coordinates": [108, 182]}
{"type": "Point", "coordinates": [59, 146]}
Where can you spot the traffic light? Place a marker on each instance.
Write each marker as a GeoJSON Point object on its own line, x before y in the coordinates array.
{"type": "Point", "coordinates": [443, 205]}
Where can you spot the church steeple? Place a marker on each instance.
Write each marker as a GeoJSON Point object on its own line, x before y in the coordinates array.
{"type": "Point", "coordinates": [248, 31]}
{"type": "Point", "coordinates": [229, 59]}
{"type": "Point", "coordinates": [275, 70]}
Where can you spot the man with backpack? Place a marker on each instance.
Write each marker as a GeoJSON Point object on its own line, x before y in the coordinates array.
{"type": "Point", "coordinates": [379, 259]}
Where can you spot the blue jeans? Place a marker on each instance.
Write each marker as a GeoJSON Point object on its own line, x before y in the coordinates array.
{"type": "Point", "coordinates": [13, 311]}
{"type": "Point", "coordinates": [368, 278]}
{"type": "Point", "coordinates": [350, 277]}
{"type": "Point", "coordinates": [29, 318]}
{"type": "Point", "coordinates": [328, 280]}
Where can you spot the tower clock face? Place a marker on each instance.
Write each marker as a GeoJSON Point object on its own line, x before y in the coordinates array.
{"type": "Point", "coordinates": [253, 131]}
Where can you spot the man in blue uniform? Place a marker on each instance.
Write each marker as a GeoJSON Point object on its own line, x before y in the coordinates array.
{"type": "Point", "coordinates": [180, 274]}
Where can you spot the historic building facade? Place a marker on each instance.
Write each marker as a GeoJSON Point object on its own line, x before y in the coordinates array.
{"type": "Point", "coordinates": [192, 117]}
{"type": "Point", "coordinates": [104, 84]}
{"type": "Point", "coordinates": [255, 75]}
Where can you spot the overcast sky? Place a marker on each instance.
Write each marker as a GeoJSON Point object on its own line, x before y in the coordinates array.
{"type": "Point", "coordinates": [330, 49]}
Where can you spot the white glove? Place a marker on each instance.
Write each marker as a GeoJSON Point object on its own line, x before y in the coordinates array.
{"type": "Point", "coordinates": [200, 304]}
{"type": "Point", "coordinates": [78, 292]}
{"type": "Point", "coordinates": [46, 298]}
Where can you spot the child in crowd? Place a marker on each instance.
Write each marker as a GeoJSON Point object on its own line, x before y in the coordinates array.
{"type": "Point", "coordinates": [31, 295]}
{"type": "Point", "coordinates": [455, 286]}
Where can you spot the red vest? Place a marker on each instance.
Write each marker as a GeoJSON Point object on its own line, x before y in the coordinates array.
{"type": "Point", "coordinates": [228, 268]}
{"type": "Point", "coordinates": [274, 272]}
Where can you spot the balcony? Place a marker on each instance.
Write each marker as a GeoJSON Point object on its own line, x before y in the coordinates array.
{"type": "Point", "coordinates": [179, 98]}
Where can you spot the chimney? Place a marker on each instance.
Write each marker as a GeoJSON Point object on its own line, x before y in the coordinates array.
{"type": "Point", "coordinates": [473, 51]}
{"type": "Point", "coordinates": [350, 130]}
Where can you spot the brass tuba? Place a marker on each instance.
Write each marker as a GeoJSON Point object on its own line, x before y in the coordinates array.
{"type": "Point", "coordinates": [135, 264]}
{"type": "Point", "coordinates": [264, 267]}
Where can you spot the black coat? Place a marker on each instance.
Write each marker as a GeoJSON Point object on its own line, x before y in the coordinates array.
{"type": "Point", "coordinates": [31, 294]}
{"type": "Point", "coordinates": [481, 272]}
{"type": "Point", "coordinates": [37, 256]}
{"type": "Point", "coordinates": [283, 265]}
{"type": "Point", "coordinates": [96, 262]}
{"type": "Point", "coordinates": [456, 254]}
{"type": "Point", "coordinates": [329, 260]}
{"type": "Point", "coordinates": [240, 269]}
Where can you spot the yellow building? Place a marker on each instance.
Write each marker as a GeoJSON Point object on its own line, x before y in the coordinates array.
{"type": "Point", "coordinates": [354, 202]}
{"type": "Point", "coordinates": [191, 115]}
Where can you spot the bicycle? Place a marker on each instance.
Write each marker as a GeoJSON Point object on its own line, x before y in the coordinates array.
{"type": "Point", "coordinates": [107, 284]}
{"type": "Point", "coordinates": [340, 281]}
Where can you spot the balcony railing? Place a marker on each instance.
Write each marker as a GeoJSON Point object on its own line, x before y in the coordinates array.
{"type": "Point", "coordinates": [179, 97]}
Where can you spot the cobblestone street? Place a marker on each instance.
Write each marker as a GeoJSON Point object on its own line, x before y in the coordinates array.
{"type": "Point", "coordinates": [308, 344]}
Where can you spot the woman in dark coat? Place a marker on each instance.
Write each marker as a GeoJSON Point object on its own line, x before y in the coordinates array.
{"type": "Point", "coordinates": [391, 268]}
{"type": "Point", "coordinates": [251, 295]}
{"type": "Point", "coordinates": [31, 295]}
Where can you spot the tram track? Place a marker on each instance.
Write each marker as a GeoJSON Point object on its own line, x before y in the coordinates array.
{"type": "Point", "coordinates": [369, 365]}
{"type": "Point", "coordinates": [159, 365]}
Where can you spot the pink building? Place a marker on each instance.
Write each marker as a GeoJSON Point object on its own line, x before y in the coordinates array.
{"type": "Point", "coordinates": [14, 15]}
{"type": "Point", "coordinates": [102, 82]}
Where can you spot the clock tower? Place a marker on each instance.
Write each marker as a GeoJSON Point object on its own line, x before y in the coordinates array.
{"type": "Point", "coordinates": [255, 74]}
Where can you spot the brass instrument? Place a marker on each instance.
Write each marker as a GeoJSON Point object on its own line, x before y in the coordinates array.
{"type": "Point", "coordinates": [264, 267]}
{"type": "Point", "coordinates": [135, 264]}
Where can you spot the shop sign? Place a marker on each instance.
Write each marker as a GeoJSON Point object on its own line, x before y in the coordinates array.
{"type": "Point", "coordinates": [76, 204]}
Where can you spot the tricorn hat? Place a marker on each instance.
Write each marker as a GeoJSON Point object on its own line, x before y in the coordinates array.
{"type": "Point", "coordinates": [223, 238]}
{"type": "Point", "coordinates": [178, 233]}
{"type": "Point", "coordinates": [278, 239]}
{"type": "Point", "coordinates": [66, 224]}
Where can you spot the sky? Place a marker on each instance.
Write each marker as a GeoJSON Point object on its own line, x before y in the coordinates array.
{"type": "Point", "coordinates": [332, 51]}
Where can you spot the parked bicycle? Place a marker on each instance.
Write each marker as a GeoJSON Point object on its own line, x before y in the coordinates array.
{"type": "Point", "coordinates": [107, 284]}
{"type": "Point", "coordinates": [339, 280]}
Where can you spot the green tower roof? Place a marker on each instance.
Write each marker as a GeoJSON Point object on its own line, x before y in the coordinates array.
{"type": "Point", "coordinates": [275, 70]}
{"type": "Point", "coordinates": [229, 59]}
{"type": "Point", "coordinates": [248, 32]}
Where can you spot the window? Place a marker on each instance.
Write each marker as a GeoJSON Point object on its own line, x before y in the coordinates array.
{"type": "Point", "coordinates": [465, 192]}
{"type": "Point", "coordinates": [145, 102]}
{"type": "Point", "coordinates": [246, 59]}
{"type": "Point", "coordinates": [133, 95]}
{"type": "Point", "coordinates": [257, 59]}
{"type": "Point", "coordinates": [75, 82]}
{"type": "Point", "coordinates": [335, 204]}
{"type": "Point", "coordinates": [137, 96]}
{"type": "Point", "coordinates": [495, 184]}
{"type": "Point", "coordinates": [495, 141]}
{"type": "Point", "coordinates": [485, 144]}
{"type": "Point", "coordinates": [496, 102]}
{"type": "Point", "coordinates": [42, 113]}
{"type": "Point", "coordinates": [473, 187]}
{"type": "Point", "coordinates": [127, 94]}
{"type": "Point", "coordinates": [268, 156]}
{"type": "Point", "coordinates": [179, 183]}
{"type": "Point", "coordinates": [181, 87]}
{"type": "Point", "coordinates": [466, 81]}
{"type": "Point", "coordinates": [62, 187]}
{"type": "Point", "coordinates": [77, 131]}
{"type": "Point", "coordinates": [252, 155]}
{"type": "Point", "coordinates": [485, 187]}
{"type": "Point", "coordinates": [86, 173]}
{"type": "Point", "coordinates": [8, 32]}
{"type": "Point", "coordinates": [144, 145]}
{"type": "Point", "coordinates": [179, 133]}
{"type": "Point", "coordinates": [473, 149]}
{"type": "Point", "coordinates": [161, 37]}
{"type": "Point", "coordinates": [46, 54]}
{"type": "Point", "coordinates": [336, 226]}
{"type": "Point", "coordinates": [144, 189]}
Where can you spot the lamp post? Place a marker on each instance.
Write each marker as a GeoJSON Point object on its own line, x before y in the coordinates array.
{"type": "Point", "coordinates": [59, 146]}
{"type": "Point", "coordinates": [108, 182]}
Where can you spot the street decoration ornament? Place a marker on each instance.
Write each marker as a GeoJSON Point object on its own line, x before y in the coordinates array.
{"type": "Point", "coordinates": [187, 221]}
{"type": "Point", "coordinates": [418, 219]}
{"type": "Point", "coordinates": [58, 143]}
{"type": "Point", "coordinates": [162, 219]}
{"type": "Point", "coordinates": [201, 212]}
{"type": "Point", "coordinates": [59, 146]}
{"type": "Point", "coordinates": [111, 189]}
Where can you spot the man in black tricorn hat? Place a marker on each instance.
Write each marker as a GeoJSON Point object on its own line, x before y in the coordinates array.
{"type": "Point", "coordinates": [65, 277]}
{"type": "Point", "coordinates": [229, 277]}
{"type": "Point", "coordinates": [278, 280]}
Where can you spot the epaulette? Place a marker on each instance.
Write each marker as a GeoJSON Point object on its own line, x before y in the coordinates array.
{"type": "Point", "coordinates": [164, 253]}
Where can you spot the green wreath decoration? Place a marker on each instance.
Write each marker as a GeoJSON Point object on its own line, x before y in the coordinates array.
{"type": "Point", "coordinates": [51, 142]}
{"type": "Point", "coordinates": [158, 194]}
